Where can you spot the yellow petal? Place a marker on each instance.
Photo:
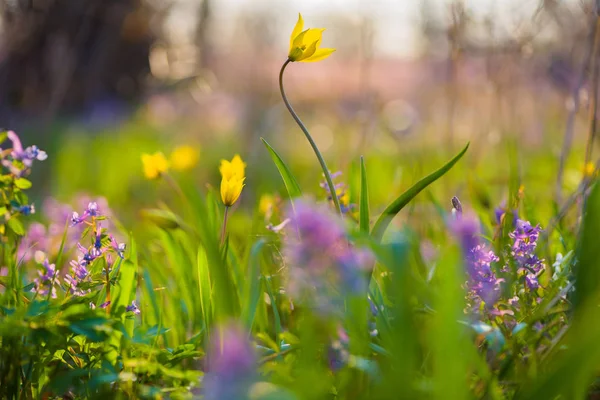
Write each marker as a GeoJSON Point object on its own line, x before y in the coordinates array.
{"type": "Point", "coordinates": [319, 55]}
{"type": "Point", "coordinates": [309, 51]}
{"type": "Point", "coordinates": [299, 40]}
{"type": "Point", "coordinates": [297, 30]}
{"type": "Point", "coordinates": [312, 35]}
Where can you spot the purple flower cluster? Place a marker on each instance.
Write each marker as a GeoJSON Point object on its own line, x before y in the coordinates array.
{"type": "Point", "coordinates": [20, 161]}
{"type": "Point", "coordinates": [483, 287]}
{"type": "Point", "coordinates": [341, 192]}
{"type": "Point", "coordinates": [322, 263]}
{"type": "Point", "coordinates": [102, 245]}
{"type": "Point", "coordinates": [529, 266]}
{"type": "Point", "coordinates": [47, 280]}
{"type": "Point", "coordinates": [231, 365]}
{"type": "Point", "coordinates": [48, 237]}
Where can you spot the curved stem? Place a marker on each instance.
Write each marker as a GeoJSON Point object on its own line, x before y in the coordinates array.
{"type": "Point", "coordinates": [330, 184]}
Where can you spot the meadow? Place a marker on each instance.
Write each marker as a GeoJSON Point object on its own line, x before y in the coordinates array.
{"type": "Point", "coordinates": [306, 264]}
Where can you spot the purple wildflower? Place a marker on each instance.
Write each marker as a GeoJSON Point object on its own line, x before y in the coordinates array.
{"type": "Point", "coordinates": [133, 308]}
{"type": "Point", "coordinates": [24, 156]}
{"type": "Point", "coordinates": [501, 212]}
{"type": "Point", "coordinates": [482, 285]}
{"type": "Point", "coordinates": [119, 248]}
{"type": "Point", "coordinates": [46, 280]}
{"type": "Point", "coordinates": [525, 238]}
{"type": "Point", "coordinates": [321, 261]}
{"type": "Point", "coordinates": [340, 190]}
{"type": "Point", "coordinates": [231, 365]}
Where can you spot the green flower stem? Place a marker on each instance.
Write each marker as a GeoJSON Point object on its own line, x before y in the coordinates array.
{"type": "Point", "coordinates": [224, 229]}
{"type": "Point", "coordinates": [330, 184]}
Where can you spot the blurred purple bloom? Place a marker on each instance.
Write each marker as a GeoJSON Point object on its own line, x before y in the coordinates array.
{"type": "Point", "coordinates": [46, 280]}
{"type": "Point", "coordinates": [105, 304]}
{"type": "Point", "coordinates": [35, 239]}
{"type": "Point", "coordinates": [321, 261]}
{"type": "Point", "coordinates": [501, 212]}
{"type": "Point", "coordinates": [133, 308]}
{"type": "Point", "coordinates": [231, 365]}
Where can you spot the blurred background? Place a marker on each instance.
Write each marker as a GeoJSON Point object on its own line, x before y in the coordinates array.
{"type": "Point", "coordinates": [98, 82]}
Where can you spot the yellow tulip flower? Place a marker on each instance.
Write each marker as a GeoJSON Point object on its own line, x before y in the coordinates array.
{"type": "Point", "coordinates": [154, 165]}
{"type": "Point", "coordinates": [232, 182]}
{"type": "Point", "coordinates": [304, 45]}
{"type": "Point", "coordinates": [184, 157]}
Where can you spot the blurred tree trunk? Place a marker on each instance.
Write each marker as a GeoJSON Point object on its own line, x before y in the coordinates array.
{"type": "Point", "coordinates": [64, 56]}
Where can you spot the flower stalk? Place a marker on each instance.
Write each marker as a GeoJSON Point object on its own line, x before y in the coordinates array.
{"type": "Point", "coordinates": [330, 184]}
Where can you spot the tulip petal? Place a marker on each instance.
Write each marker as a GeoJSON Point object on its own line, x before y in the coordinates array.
{"type": "Point", "coordinates": [319, 55]}
{"type": "Point", "coordinates": [310, 50]}
{"type": "Point", "coordinates": [297, 30]}
{"type": "Point", "coordinates": [313, 35]}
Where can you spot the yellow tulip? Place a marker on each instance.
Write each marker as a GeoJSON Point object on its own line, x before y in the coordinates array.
{"type": "Point", "coordinates": [184, 157]}
{"type": "Point", "coordinates": [154, 164]}
{"type": "Point", "coordinates": [232, 182]}
{"type": "Point", "coordinates": [304, 45]}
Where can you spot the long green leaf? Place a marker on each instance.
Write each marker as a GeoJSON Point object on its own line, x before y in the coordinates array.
{"type": "Point", "coordinates": [363, 213]}
{"type": "Point", "coordinates": [394, 208]}
{"type": "Point", "coordinates": [253, 286]}
{"type": "Point", "coordinates": [290, 182]}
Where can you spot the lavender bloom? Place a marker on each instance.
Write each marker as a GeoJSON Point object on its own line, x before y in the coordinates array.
{"type": "Point", "coordinates": [35, 239]}
{"type": "Point", "coordinates": [133, 308]}
{"type": "Point", "coordinates": [46, 280]}
{"type": "Point", "coordinates": [501, 212]}
{"type": "Point", "coordinates": [231, 365]}
{"type": "Point", "coordinates": [482, 285]}
{"type": "Point", "coordinates": [340, 189]}
{"type": "Point", "coordinates": [25, 156]}
{"type": "Point", "coordinates": [322, 264]}
{"type": "Point", "coordinates": [78, 275]}
{"type": "Point", "coordinates": [119, 248]}
{"type": "Point", "coordinates": [525, 238]}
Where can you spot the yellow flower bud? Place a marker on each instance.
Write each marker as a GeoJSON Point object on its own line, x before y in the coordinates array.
{"type": "Point", "coordinates": [232, 182]}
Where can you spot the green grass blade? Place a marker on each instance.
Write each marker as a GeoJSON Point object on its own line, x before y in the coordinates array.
{"type": "Point", "coordinates": [253, 287]}
{"type": "Point", "coordinates": [204, 287]}
{"type": "Point", "coordinates": [397, 205]}
{"type": "Point", "coordinates": [587, 269]}
{"type": "Point", "coordinates": [289, 180]}
{"type": "Point", "coordinates": [364, 198]}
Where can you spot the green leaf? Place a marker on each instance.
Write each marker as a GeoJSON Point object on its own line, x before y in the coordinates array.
{"type": "Point", "coordinates": [290, 182]}
{"type": "Point", "coordinates": [252, 290]}
{"type": "Point", "coordinates": [16, 226]}
{"type": "Point", "coordinates": [587, 269]}
{"type": "Point", "coordinates": [22, 183]}
{"type": "Point", "coordinates": [364, 199]}
{"type": "Point", "coordinates": [397, 205]}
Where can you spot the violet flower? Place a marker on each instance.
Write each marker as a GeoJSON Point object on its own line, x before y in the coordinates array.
{"type": "Point", "coordinates": [133, 308]}
{"type": "Point", "coordinates": [231, 363]}
{"type": "Point", "coordinates": [525, 238]}
{"type": "Point", "coordinates": [322, 263]}
{"type": "Point", "coordinates": [483, 287]}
